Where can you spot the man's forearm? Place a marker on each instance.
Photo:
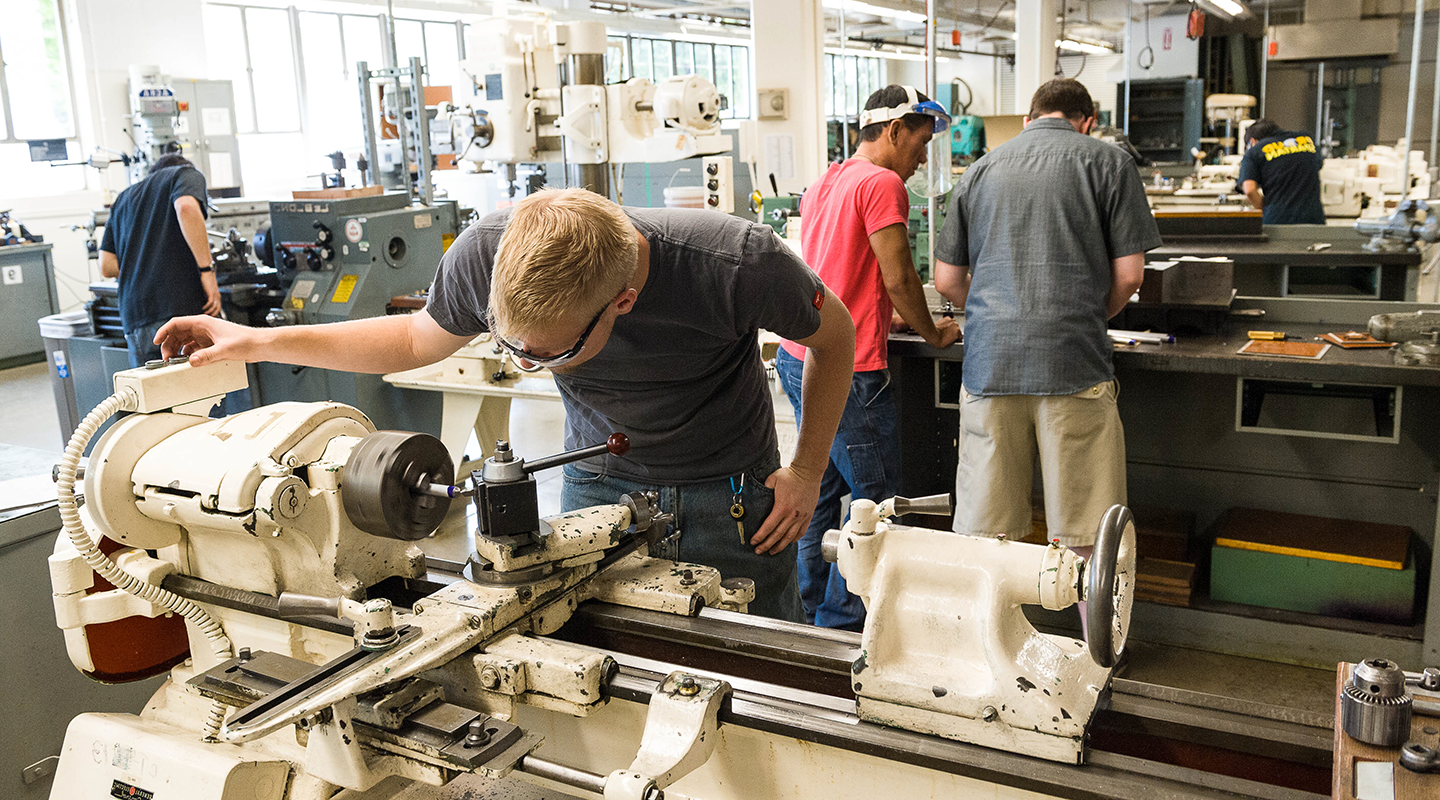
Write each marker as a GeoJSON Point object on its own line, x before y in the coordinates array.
{"type": "Point", "coordinates": [376, 345]}
{"type": "Point", "coordinates": [192, 227]}
{"type": "Point", "coordinates": [823, 392]}
{"type": "Point", "coordinates": [910, 303]}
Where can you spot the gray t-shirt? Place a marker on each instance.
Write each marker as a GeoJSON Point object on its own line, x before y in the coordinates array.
{"type": "Point", "coordinates": [681, 374]}
{"type": "Point", "coordinates": [1039, 219]}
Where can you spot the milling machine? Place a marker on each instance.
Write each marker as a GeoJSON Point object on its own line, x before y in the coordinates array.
{"type": "Point", "coordinates": [269, 561]}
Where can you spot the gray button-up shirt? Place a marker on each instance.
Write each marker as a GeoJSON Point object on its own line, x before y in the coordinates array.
{"type": "Point", "coordinates": [1038, 220]}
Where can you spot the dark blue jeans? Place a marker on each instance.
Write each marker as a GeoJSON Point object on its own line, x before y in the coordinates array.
{"type": "Point", "coordinates": [864, 463]}
{"type": "Point", "coordinates": [708, 534]}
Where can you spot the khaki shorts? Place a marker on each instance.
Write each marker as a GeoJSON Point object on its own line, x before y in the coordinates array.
{"type": "Point", "coordinates": [1081, 446]}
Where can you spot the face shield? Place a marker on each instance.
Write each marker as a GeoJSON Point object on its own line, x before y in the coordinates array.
{"type": "Point", "coordinates": [933, 178]}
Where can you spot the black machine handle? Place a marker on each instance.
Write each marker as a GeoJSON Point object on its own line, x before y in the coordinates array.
{"type": "Point", "coordinates": [618, 444]}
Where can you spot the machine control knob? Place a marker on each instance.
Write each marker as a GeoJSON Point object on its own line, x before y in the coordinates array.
{"type": "Point", "coordinates": [313, 260]}
{"type": "Point", "coordinates": [287, 258]}
{"type": "Point", "coordinates": [327, 253]}
{"type": "Point", "coordinates": [712, 169]}
{"type": "Point", "coordinates": [322, 234]}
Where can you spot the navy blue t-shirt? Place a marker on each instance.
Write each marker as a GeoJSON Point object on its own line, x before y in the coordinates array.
{"type": "Point", "coordinates": [1287, 167]}
{"type": "Point", "coordinates": [159, 278]}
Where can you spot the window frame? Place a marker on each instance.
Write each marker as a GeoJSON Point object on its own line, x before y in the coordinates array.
{"type": "Point", "coordinates": [63, 30]}
{"type": "Point", "coordinates": [868, 69]}
{"type": "Point", "coordinates": [704, 54]}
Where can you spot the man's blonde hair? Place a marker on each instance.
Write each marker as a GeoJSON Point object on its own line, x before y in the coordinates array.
{"type": "Point", "coordinates": [564, 250]}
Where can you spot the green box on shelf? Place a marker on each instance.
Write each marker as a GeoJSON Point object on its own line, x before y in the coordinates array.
{"type": "Point", "coordinates": [1313, 586]}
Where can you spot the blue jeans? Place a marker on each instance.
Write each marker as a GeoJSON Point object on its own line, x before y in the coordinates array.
{"type": "Point", "coordinates": [140, 342]}
{"type": "Point", "coordinates": [864, 463]}
{"type": "Point", "coordinates": [708, 534]}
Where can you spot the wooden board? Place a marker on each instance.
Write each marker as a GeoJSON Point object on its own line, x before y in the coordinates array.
{"type": "Point", "coordinates": [1349, 339]}
{"type": "Point", "coordinates": [1257, 347]}
{"type": "Point", "coordinates": [1160, 572]}
{"type": "Point", "coordinates": [1408, 785]}
{"type": "Point", "coordinates": [1347, 541]}
{"type": "Point", "coordinates": [336, 194]}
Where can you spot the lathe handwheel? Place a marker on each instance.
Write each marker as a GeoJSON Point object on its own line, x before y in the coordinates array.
{"type": "Point", "coordinates": [1109, 586]}
{"type": "Point", "coordinates": [380, 481]}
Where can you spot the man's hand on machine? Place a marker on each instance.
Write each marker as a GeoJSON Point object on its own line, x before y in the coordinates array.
{"type": "Point", "coordinates": [205, 339]}
{"type": "Point", "coordinates": [795, 498]}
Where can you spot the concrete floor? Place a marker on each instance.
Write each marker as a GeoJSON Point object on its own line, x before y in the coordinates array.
{"type": "Point", "coordinates": [30, 440]}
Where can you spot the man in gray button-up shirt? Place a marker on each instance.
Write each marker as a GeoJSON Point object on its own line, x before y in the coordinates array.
{"type": "Point", "coordinates": [1045, 241]}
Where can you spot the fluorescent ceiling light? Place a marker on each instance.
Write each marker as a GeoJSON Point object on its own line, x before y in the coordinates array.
{"type": "Point", "coordinates": [1092, 48]}
{"type": "Point", "coordinates": [1230, 9]}
{"type": "Point", "coordinates": [859, 7]}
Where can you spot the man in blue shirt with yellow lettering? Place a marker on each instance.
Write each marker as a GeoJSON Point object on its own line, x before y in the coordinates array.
{"type": "Point", "coordinates": [1280, 175]}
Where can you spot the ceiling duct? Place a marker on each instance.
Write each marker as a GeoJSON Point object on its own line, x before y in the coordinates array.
{"type": "Point", "coordinates": [1333, 29]}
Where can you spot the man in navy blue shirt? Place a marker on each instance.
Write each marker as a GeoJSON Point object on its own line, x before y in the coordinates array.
{"type": "Point", "coordinates": [155, 243]}
{"type": "Point", "coordinates": [1280, 175]}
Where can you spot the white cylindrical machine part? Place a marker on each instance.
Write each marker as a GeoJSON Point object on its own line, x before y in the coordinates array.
{"type": "Point", "coordinates": [587, 38]}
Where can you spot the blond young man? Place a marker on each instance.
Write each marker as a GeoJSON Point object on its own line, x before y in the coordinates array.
{"type": "Point", "coordinates": [648, 320]}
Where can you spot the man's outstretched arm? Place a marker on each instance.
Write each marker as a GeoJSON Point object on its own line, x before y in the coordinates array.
{"type": "Point", "coordinates": [376, 345]}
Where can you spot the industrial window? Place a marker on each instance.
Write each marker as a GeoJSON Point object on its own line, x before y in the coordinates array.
{"type": "Point", "coordinates": [849, 82]}
{"type": "Point", "coordinates": [35, 99]}
{"type": "Point", "coordinates": [617, 59]}
{"type": "Point", "coordinates": [301, 64]}
{"type": "Point", "coordinates": [727, 66]}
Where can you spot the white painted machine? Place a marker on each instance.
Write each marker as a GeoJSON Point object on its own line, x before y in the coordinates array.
{"type": "Point", "coordinates": [268, 561]}
{"type": "Point", "coordinates": [523, 111]}
{"type": "Point", "coordinates": [947, 649]}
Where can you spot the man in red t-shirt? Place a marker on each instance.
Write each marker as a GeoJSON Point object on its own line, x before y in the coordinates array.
{"type": "Point", "coordinates": [853, 235]}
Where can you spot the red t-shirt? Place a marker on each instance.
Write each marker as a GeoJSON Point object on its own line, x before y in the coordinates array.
{"type": "Point", "coordinates": [850, 202]}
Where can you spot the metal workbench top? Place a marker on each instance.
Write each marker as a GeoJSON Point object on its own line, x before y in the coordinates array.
{"type": "Point", "coordinates": [1286, 244]}
{"type": "Point", "coordinates": [1216, 354]}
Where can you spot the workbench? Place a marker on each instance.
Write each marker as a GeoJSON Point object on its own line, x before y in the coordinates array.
{"type": "Point", "coordinates": [1350, 436]}
{"type": "Point", "coordinates": [1283, 266]}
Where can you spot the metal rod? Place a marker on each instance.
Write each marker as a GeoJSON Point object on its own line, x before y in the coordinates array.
{"type": "Point", "coordinates": [569, 776]}
{"type": "Point", "coordinates": [1264, 62]}
{"type": "Point", "coordinates": [402, 131]}
{"type": "Point", "coordinates": [844, 112]}
{"type": "Point", "coordinates": [1129, 56]}
{"type": "Point", "coordinates": [930, 80]}
{"type": "Point", "coordinates": [588, 69]}
{"type": "Point", "coordinates": [1410, 103]}
{"type": "Point", "coordinates": [560, 459]}
{"type": "Point", "coordinates": [422, 124]}
{"type": "Point", "coordinates": [1435, 108]}
{"type": "Point", "coordinates": [1320, 102]}
{"type": "Point", "coordinates": [367, 110]}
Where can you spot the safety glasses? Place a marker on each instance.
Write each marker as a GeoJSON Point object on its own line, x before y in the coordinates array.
{"type": "Point", "coordinates": [566, 357]}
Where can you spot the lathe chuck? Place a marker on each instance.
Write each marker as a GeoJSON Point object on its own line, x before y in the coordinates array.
{"type": "Point", "coordinates": [381, 480]}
